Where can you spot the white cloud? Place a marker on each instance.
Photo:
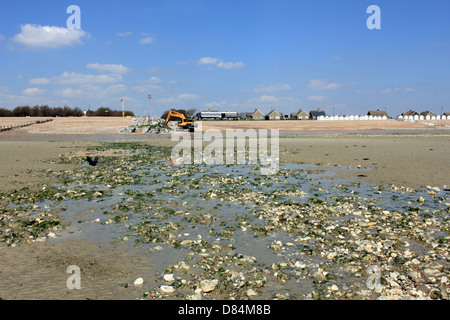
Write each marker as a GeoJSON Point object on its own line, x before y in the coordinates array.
{"type": "Point", "coordinates": [124, 34]}
{"type": "Point", "coordinates": [33, 92]}
{"type": "Point", "coordinates": [146, 40]}
{"type": "Point", "coordinates": [188, 96]}
{"type": "Point", "coordinates": [8, 100]}
{"type": "Point", "coordinates": [90, 91]}
{"type": "Point", "coordinates": [316, 98]}
{"type": "Point", "coordinates": [70, 93]}
{"type": "Point", "coordinates": [149, 85]}
{"type": "Point", "coordinates": [323, 84]}
{"type": "Point", "coordinates": [209, 60]}
{"type": "Point", "coordinates": [146, 88]}
{"type": "Point", "coordinates": [215, 104]}
{"type": "Point", "coordinates": [37, 36]}
{"type": "Point", "coordinates": [112, 68]}
{"type": "Point", "coordinates": [40, 81]}
{"type": "Point", "coordinates": [4, 90]}
{"type": "Point", "coordinates": [181, 98]}
{"type": "Point", "coordinates": [390, 90]}
{"type": "Point", "coordinates": [220, 63]}
{"type": "Point", "coordinates": [231, 65]}
{"type": "Point", "coordinates": [154, 80]}
{"type": "Point", "coordinates": [78, 78]}
{"type": "Point", "coordinates": [271, 88]}
{"type": "Point", "coordinates": [269, 100]}
{"type": "Point", "coordinates": [385, 91]}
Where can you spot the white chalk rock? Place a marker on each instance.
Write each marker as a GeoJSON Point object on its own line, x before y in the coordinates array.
{"type": "Point", "coordinates": [139, 282]}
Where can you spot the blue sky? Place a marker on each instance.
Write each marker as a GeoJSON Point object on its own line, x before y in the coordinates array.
{"type": "Point", "coordinates": [227, 55]}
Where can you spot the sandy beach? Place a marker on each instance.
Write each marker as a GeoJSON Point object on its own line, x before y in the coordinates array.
{"type": "Point", "coordinates": [397, 154]}
{"type": "Point", "coordinates": [111, 125]}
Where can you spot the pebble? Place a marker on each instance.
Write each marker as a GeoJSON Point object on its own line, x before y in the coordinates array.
{"type": "Point", "coordinates": [138, 282]}
{"type": "Point", "coordinates": [168, 277]}
{"type": "Point", "coordinates": [167, 289]}
{"type": "Point", "coordinates": [208, 285]}
{"type": "Point", "coordinates": [334, 288]}
{"type": "Point", "coordinates": [197, 296]}
{"type": "Point", "coordinates": [250, 292]}
{"type": "Point", "coordinates": [431, 272]}
{"type": "Point", "coordinates": [351, 229]}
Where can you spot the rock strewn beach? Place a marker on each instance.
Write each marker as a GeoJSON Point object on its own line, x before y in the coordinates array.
{"type": "Point", "coordinates": [321, 231]}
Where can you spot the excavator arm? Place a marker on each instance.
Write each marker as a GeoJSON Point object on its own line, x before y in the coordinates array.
{"type": "Point", "coordinates": [185, 125]}
{"type": "Point", "coordinates": [174, 114]}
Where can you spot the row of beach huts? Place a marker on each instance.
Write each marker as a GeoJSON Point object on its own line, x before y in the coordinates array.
{"type": "Point", "coordinates": [316, 115]}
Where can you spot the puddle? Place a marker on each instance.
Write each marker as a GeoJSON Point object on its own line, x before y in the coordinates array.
{"type": "Point", "coordinates": [289, 223]}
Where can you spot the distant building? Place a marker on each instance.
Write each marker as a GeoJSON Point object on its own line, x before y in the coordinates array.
{"type": "Point", "coordinates": [314, 114]}
{"type": "Point", "coordinates": [274, 115]}
{"type": "Point", "coordinates": [217, 115]}
{"type": "Point", "coordinates": [428, 113]}
{"type": "Point", "coordinates": [410, 113]}
{"type": "Point", "coordinates": [300, 115]}
{"type": "Point", "coordinates": [257, 115]}
{"type": "Point", "coordinates": [378, 113]}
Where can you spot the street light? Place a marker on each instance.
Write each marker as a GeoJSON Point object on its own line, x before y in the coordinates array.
{"type": "Point", "coordinates": [149, 98]}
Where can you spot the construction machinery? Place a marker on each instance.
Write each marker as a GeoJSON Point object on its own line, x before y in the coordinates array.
{"type": "Point", "coordinates": [184, 124]}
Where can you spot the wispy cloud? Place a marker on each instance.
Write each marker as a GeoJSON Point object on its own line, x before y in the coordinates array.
{"type": "Point", "coordinates": [90, 91]}
{"type": "Point", "coordinates": [112, 68]}
{"type": "Point", "coordinates": [270, 88]}
{"type": "Point", "coordinates": [78, 78]}
{"type": "Point", "coordinates": [386, 91]}
{"type": "Point", "coordinates": [220, 63]}
{"type": "Point", "coordinates": [215, 104]}
{"type": "Point", "coordinates": [270, 99]}
{"type": "Point", "coordinates": [124, 34]}
{"type": "Point", "coordinates": [181, 98]}
{"type": "Point", "coordinates": [33, 92]}
{"type": "Point", "coordinates": [390, 90]}
{"type": "Point", "coordinates": [147, 40]}
{"type": "Point", "coordinates": [316, 98]}
{"type": "Point", "coordinates": [37, 36]}
{"type": "Point", "coordinates": [149, 85]}
{"type": "Point", "coordinates": [323, 84]}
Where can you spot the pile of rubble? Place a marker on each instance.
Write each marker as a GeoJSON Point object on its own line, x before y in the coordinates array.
{"type": "Point", "coordinates": [141, 126]}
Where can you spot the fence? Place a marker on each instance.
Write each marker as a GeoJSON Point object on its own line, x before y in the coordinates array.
{"type": "Point", "coordinates": [417, 118]}
{"type": "Point", "coordinates": [356, 117]}
{"type": "Point", "coordinates": [22, 124]}
{"type": "Point", "coordinates": [351, 117]}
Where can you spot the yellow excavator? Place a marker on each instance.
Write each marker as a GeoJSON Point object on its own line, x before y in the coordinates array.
{"type": "Point", "coordinates": [184, 124]}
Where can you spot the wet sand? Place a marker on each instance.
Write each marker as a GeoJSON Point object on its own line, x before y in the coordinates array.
{"type": "Point", "coordinates": [409, 159]}
{"type": "Point", "coordinates": [39, 271]}
{"type": "Point", "coordinates": [401, 159]}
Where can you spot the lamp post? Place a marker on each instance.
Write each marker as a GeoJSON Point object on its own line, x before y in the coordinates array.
{"type": "Point", "coordinates": [149, 98]}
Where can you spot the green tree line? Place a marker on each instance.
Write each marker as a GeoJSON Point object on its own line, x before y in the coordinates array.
{"type": "Point", "coordinates": [46, 111]}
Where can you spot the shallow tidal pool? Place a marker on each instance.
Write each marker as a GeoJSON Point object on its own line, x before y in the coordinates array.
{"type": "Point", "coordinates": [228, 232]}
